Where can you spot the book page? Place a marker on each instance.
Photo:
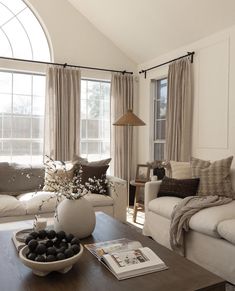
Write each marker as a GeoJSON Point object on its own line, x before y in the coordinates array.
{"type": "Point", "coordinates": [108, 247]}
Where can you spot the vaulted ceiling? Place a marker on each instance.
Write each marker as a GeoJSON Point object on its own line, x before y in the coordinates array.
{"type": "Point", "coordinates": [145, 29]}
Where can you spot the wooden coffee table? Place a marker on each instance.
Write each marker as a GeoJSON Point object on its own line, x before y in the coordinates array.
{"type": "Point", "coordinates": [90, 275]}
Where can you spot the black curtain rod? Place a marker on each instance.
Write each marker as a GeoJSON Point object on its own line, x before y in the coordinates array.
{"type": "Point", "coordinates": [168, 62]}
{"type": "Point", "coordinates": [66, 65]}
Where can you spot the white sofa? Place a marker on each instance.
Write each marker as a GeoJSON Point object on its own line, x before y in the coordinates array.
{"type": "Point", "coordinates": [210, 241]}
{"type": "Point", "coordinates": [20, 199]}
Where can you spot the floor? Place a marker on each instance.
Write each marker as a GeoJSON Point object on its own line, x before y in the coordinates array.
{"type": "Point", "coordinates": [139, 218]}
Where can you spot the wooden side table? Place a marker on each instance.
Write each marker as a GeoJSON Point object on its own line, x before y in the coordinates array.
{"type": "Point", "coordinates": [138, 205]}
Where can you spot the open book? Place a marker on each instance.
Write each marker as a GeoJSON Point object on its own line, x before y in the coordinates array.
{"type": "Point", "coordinates": [126, 258]}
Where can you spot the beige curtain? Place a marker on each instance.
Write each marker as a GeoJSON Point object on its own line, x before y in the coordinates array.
{"type": "Point", "coordinates": [179, 111]}
{"type": "Point", "coordinates": [121, 101]}
{"type": "Point", "coordinates": [62, 113]}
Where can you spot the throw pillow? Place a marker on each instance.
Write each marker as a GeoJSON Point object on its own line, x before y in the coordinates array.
{"type": "Point", "coordinates": [55, 172]}
{"type": "Point", "coordinates": [94, 178]}
{"type": "Point", "coordinates": [178, 187]}
{"type": "Point", "coordinates": [197, 165]}
{"type": "Point", "coordinates": [180, 170]}
{"type": "Point", "coordinates": [215, 179]}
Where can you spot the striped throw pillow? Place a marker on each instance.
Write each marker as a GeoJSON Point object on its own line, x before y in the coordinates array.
{"type": "Point", "coordinates": [215, 178]}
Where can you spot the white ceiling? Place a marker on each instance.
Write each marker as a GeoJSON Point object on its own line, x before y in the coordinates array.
{"type": "Point", "coordinates": [145, 29]}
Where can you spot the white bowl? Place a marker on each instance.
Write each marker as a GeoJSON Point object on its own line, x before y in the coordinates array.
{"type": "Point", "coordinates": [44, 268]}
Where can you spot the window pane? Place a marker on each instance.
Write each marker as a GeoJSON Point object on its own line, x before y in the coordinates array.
{"type": "Point", "coordinates": [21, 127]}
{"type": "Point", "coordinates": [22, 84]}
{"type": "Point", "coordinates": [6, 125]}
{"type": "Point", "coordinates": [5, 82]}
{"type": "Point", "coordinates": [21, 104]}
{"type": "Point", "coordinates": [5, 103]}
{"type": "Point", "coordinates": [14, 5]}
{"type": "Point", "coordinates": [5, 151]}
{"type": "Point", "coordinates": [39, 86]}
{"type": "Point", "coordinates": [5, 48]}
{"type": "Point", "coordinates": [159, 151]}
{"type": "Point", "coordinates": [37, 127]}
{"type": "Point", "coordinates": [38, 105]}
{"type": "Point", "coordinates": [18, 39]}
{"type": "Point", "coordinates": [21, 148]}
{"type": "Point", "coordinates": [92, 129]}
{"type": "Point", "coordinates": [160, 129]}
{"type": "Point", "coordinates": [95, 124]}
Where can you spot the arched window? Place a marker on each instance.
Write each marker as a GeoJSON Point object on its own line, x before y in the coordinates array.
{"type": "Point", "coordinates": [22, 93]}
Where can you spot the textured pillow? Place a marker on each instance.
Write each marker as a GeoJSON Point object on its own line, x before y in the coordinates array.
{"type": "Point", "coordinates": [197, 165]}
{"type": "Point", "coordinates": [94, 178]}
{"type": "Point", "coordinates": [180, 170]}
{"type": "Point", "coordinates": [215, 179]}
{"type": "Point", "coordinates": [178, 187]}
{"type": "Point", "coordinates": [55, 172]}
{"type": "Point", "coordinates": [15, 178]}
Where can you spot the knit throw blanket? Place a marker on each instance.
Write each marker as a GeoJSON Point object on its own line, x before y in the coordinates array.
{"type": "Point", "coordinates": [184, 211]}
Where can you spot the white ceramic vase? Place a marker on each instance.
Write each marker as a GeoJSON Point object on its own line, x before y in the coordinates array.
{"type": "Point", "coordinates": [76, 217]}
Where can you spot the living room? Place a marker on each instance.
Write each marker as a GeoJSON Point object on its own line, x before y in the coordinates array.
{"type": "Point", "coordinates": [120, 55]}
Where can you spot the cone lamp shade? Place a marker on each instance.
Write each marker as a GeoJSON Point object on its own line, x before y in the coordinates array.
{"type": "Point", "coordinates": [129, 118]}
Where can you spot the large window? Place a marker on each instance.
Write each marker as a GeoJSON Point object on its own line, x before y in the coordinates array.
{"type": "Point", "coordinates": [21, 94]}
{"type": "Point", "coordinates": [95, 119]}
{"type": "Point", "coordinates": [160, 102]}
{"type": "Point", "coordinates": [21, 117]}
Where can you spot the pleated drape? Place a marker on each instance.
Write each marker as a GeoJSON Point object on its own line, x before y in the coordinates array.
{"type": "Point", "coordinates": [62, 113]}
{"type": "Point", "coordinates": [179, 111]}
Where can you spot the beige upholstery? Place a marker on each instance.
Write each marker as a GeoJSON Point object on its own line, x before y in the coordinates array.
{"type": "Point", "coordinates": [226, 230]}
{"type": "Point", "coordinates": [211, 240]}
{"type": "Point", "coordinates": [11, 206]}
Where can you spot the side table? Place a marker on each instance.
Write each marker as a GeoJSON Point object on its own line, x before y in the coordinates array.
{"type": "Point", "coordinates": [138, 205]}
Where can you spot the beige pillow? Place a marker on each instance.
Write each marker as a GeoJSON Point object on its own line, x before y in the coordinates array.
{"type": "Point", "coordinates": [181, 170]}
{"type": "Point", "coordinates": [55, 172]}
{"type": "Point", "coordinates": [215, 178]}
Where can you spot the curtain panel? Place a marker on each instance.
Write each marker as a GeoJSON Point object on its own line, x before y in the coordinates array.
{"type": "Point", "coordinates": [62, 113]}
{"type": "Point", "coordinates": [179, 111]}
{"type": "Point", "coordinates": [121, 101]}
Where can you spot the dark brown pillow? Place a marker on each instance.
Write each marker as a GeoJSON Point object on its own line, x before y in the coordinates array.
{"type": "Point", "coordinates": [90, 176]}
{"type": "Point", "coordinates": [178, 187]}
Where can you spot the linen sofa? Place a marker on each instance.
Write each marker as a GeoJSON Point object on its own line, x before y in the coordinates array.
{"type": "Point", "coordinates": [21, 194]}
{"type": "Point", "coordinates": [210, 242]}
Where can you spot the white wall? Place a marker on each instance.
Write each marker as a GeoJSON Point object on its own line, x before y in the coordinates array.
{"type": "Point", "coordinates": [75, 40]}
{"type": "Point", "coordinates": [214, 97]}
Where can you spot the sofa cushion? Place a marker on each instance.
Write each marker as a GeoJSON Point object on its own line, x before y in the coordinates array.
{"type": "Point", "coordinates": [99, 200]}
{"type": "Point", "coordinates": [215, 179]}
{"type": "Point", "coordinates": [180, 170]}
{"type": "Point", "coordinates": [164, 205]}
{"type": "Point", "coordinates": [226, 230]}
{"type": "Point", "coordinates": [178, 187]}
{"type": "Point", "coordinates": [16, 178]}
{"type": "Point", "coordinates": [33, 201]}
{"type": "Point", "coordinates": [11, 206]}
{"type": "Point", "coordinates": [206, 220]}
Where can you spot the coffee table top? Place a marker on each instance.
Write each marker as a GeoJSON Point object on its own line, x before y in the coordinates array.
{"type": "Point", "coordinates": [90, 275]}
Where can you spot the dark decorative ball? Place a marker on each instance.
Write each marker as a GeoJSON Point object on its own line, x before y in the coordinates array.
{"type": "Point", "coordinates": [68, 252]}
{"type": "Point", "coordinates": [32, 256]}
{"type": "Point", "coordinates": [75, 241]}
{"type": "Point", "coordinates": [42, 234]}
{"type": "Point", "coordinates": [34, 234]}
{"type": "Point", "coordinates": [40, 249]}
{"type": "Point", "coordinates": [51, 251]}
{"type": "Point", "coordinates": [50, 258]}
{"type": "Point", "coordinates": [75, 248]}
{"type": "Point", "coordinates": [40, 258]}
{"type": "Point", "coordinates": [51, 234]}
{"type": "Point", "coordinates": [57, 242]}
{"type": "Point", "coordinates": [60, 234]}
{"type": "Point", "coordinates": [49, 243]}
{"type": "Point", "coordinates": [64, 244]}
{"type": "Point", "coordinates": [28, 239]}
{"type": "Point", "coordinates": [33, 243]}
{"type": "Point", "coordinates": [69, 237]}
{"type": "Point", "coordinates": [60, 256]}
{"type": "Point", "coordinates": [61, 250]}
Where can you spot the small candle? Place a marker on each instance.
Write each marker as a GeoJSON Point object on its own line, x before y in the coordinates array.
{"type": "Point", "coordinates": [40, 223]}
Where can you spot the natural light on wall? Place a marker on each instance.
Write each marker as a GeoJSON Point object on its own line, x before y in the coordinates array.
{"type": "Point", "coordinates": [22, 94]}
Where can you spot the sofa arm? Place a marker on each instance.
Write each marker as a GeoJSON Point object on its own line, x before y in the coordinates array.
{"type": "Point", "coordinates": [118, 191]}
{"type": "Point", "coordinates": [150, 192]}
